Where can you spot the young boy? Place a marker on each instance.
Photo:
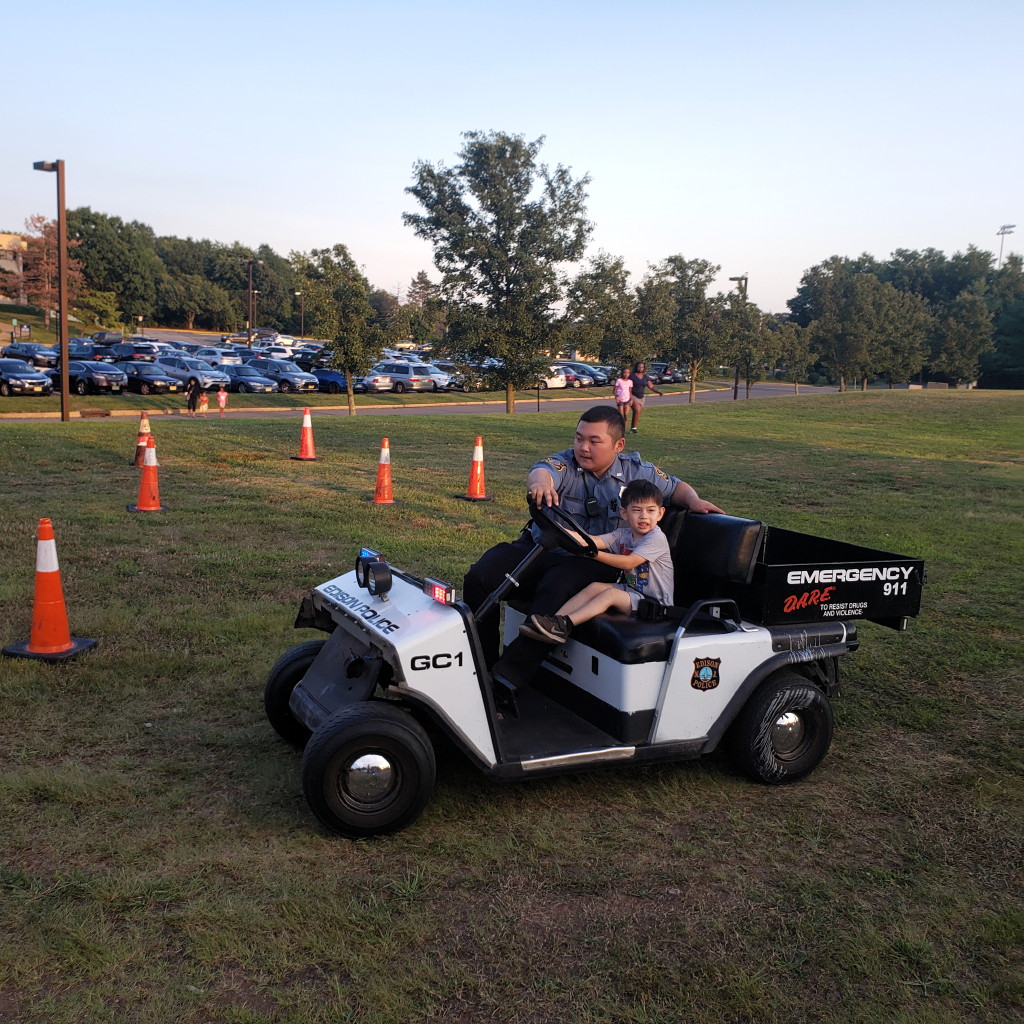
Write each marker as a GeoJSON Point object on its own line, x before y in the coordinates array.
{"type": "Point", "coordinates": [639, 549]}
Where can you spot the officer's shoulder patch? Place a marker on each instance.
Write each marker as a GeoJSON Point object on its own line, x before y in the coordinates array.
{"type": "Point", "coordinates": [555, 463]}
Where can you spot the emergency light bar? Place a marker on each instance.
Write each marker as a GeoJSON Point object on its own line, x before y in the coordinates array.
{"type": "Point", "coordinates": [443, 593]}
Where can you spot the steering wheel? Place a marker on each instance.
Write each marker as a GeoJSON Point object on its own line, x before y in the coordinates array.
{"type": "Point", "coordinates": [554, 517]}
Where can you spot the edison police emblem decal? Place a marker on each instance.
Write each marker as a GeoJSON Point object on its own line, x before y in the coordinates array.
{"type": "Point", "coordinates": [705, 673]}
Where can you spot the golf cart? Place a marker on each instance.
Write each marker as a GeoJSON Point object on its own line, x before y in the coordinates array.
{"type": "Point", "coordinates": [749, 657]}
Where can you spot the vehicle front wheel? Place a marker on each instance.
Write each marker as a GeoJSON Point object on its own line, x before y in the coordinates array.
{"type": "Point", "coordinates": [242, 389]}
{"type": "Point", "coordinates": [368, 770]}
{"type": "Point", "coordinates": [286, 674]}
{"type": "Point", "coordinates": [144, 389]}
{"type": "Point", "coordinates": [577, 384]}
{"type": "Point", "coordinates": [5, 389]}
{"type": "Point", "coordinates": [784, 730]}
{"type": "Point", "coordinates": [333, 388]}
{"type": "Point", "coordinates": [284, 387]}
{"type": "Point", "coordinates": [81, 387]}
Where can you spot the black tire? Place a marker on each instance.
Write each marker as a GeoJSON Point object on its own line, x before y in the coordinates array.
{"type": "Point", "coordinates": [543, 385]}
{"type": "Point", "coordinates": [5, 389]}
{"type": "Point", "coordinates": [241, 389]}
{"type": "Point", "coordinates": [81, 388]}
{"type": "Point", "coordinates": [287, 672]}
{"type": "Point", "coordinates": [144, 389]}
{"type": "Point", "coordinates": [392, 785]}
{"type": "Point", "coordinates": [333, 387]}
{"type": "Point", "coordinates": [399, 388]}
{"type": "Point", "coordinates": [784, 730]}
{"type": "Point", "coordinates": [284, 387]}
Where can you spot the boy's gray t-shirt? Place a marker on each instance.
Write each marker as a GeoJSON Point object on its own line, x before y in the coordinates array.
{"type": "Point", "coordinates": [653, 578]}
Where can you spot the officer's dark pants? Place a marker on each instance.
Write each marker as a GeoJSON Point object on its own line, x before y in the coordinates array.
{"type": "Point", "coordinates": [548, 584]}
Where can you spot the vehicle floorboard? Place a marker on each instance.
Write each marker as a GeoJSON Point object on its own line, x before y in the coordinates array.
{"type": "Point", "coordinates": [545, 728]}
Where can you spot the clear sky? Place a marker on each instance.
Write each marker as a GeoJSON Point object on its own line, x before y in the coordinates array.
{"type": "Point", "coordinates": [762, 136]}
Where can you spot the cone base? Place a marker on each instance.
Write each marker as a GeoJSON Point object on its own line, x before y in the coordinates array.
{"type": "Point", "coordinates": [470, 497]}
{"type": "Point", "coordinates": [135, 508]}
{"type": "Point", "coordinates": [374, 501]}
{"type": "Point", "coordinates": [303, 458]}
{"type": "Point", "coordinates": [20, 650]}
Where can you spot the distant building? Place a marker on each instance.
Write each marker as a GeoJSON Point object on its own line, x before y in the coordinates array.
{"type": "Point", "coordinates": [12, 249]}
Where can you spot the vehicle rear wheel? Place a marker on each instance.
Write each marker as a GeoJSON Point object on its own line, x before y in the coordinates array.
{"type": "Point", "coordinates": [784, 730]}
{"type": "Point", "coordinates": [543, 385]}
{"type": "Point", "coordinates": [368, 770]}
{"type": "Point", "coordinates": [5, 389]}
{"type": "Point", "coordinates": [81, 387]}
{"type": "Point", "coordinates": [399, 388]}
{"type": "Point", "coordinates": [286, 674]}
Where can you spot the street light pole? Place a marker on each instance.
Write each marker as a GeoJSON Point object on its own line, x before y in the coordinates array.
{"type": "Point", "coordinates": [741, 287]}
{"type": "Point", "coordinates": [1006, 229]}
{"type": "Point", "coordinates": [250, 312]}
{"type": "Point", "coordinates": [62, 283]}
{"type": "Point", "coordinates": [302, 316]}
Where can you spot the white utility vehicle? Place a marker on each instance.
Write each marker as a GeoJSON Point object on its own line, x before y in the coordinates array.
{"type": "Point", "coordinates": [750, 657]}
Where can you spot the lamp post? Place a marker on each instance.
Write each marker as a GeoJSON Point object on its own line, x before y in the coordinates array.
{"type": "Point", "coordinates": [250, 309]}
{"type": "Point", "coordinates": [1006, 229]}
{"type": "Point", "coordinates": [302, 315]}
{"type": "Point", "coordinates": [741, 287]}
{"type": "Point", "coordinates": [62, 282]}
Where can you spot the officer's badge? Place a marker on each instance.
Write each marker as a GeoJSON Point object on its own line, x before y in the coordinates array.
{"type": "Point", "coordinates": [705, 673]}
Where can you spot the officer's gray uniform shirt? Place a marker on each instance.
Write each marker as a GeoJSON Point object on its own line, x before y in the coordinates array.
{"type": "Point", "coordinates": [574, 485]}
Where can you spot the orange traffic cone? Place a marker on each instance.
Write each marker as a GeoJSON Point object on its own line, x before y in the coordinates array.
{"type": "Point", "coordinates": [149, 487]}
{"type": "Point", "coordinates": [307, 453]}
{"type": "Point", "coordinates": [140, 440]}
{"type": "Point", "coordinates": [383, 495]}
{"type": "Point", "coordinates": [50, 640]}
{"type": "Point", "coordinates": [475, 491]}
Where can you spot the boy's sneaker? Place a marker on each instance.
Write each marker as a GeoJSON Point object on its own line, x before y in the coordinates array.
{"type": "Point", "coordinates": [632, 430]}
{"type": "Point", "coordinates": [549, 629]}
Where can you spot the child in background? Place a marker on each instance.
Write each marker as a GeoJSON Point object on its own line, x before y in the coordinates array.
{"type": "Point", "coordinates": [624, 393]}
{"type": "Point", "coordinates": [204, 403]}
{"type": "Point", "coordinates": [222, 399]}
{"type": "Point", "coordinates": [639, 549]}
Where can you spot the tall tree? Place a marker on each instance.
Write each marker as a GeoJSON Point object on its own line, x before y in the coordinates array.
{"type": "Point", "coordinates": [425, 311]}
{"type": "Point", "coordinates": [501, 225]}
{"type": "Point", "coordinates": [678, 319]}
{"type": "Point", "coordinates": [338, 307]}
{"type": "Point", "coordinates": [963, 334]}
{"type": "Point", "coordinates": [600, 314]}
{"type": "Point", "coordinates": [39, 278]}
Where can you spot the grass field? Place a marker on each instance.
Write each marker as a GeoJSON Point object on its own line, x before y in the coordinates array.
{"type": "Point", "coordinates": [157, 863]}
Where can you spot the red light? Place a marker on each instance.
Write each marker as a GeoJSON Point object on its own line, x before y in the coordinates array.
{"type": "Point", "coordinates": [443, 593]}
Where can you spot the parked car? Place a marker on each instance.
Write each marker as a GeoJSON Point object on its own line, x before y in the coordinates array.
{"type": "Point", "coordinates": [273, 351]}
{"type": "Point", "coordinates": [412, 376]}
{"type": "Point", "coordinates": [18, 378]}
{"type": "Point", "coordinates": [595, 373]}
{"type": "Point", "coordinates": [92, 377]}
{"type": "Point", "coordinates": [107, 337]}
{"type": "Point", "coordinates": [219, 356]}
{"type": "Point", "coordinates": [463, 378]}
{"type": "Point", "coordinates": [148, 378]}
{"type": "Point", "coordinates": [187, 369]}
{"type": "Point", "coordinates": [288, 376]}
{"type": "Point", "coordinates": [190, 347]}
{"type": "Point", "coordinates": [81, 349]}
{"type": "Point", "coordinates": [308, 358]}
{"type": "Point", "coordinates": [134, 350]}
{"type": "Point", "coordinates": [244, 378]}
{"type": "Point", "coordinates": [663, 373]}
{"type": "Point", "coordinates": [238, 338]}
{"type": "Point", "coordinates": [31, 352]}
{"type": "Point", "coordinates": [555, 377]}
{"type": "Point", "coordinates": [334, 382]}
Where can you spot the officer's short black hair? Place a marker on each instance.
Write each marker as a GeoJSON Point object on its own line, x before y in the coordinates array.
{"type": "Point", "coordinates": [606, 414]}
{"type": "Point", "coordinates": [640, 491]}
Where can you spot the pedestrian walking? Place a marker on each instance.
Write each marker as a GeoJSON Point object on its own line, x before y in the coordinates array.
{"type": "Point", "coordinates": [204, 403]}
{"type": "Point", "coordinates": [623, 393]}
{"type": "Point", "coordinates": [222, 399]}
{"type": "Point", "coordinates": [641, 382]}
{"type": "Point", "coordinates": [192, 393]}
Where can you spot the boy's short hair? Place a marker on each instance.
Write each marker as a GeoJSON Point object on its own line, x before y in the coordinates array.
{"type": "Point", "coordinates": [640, 490]}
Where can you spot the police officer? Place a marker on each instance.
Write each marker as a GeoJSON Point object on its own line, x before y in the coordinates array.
{"type": "Point", "coordinates": [586, 480]}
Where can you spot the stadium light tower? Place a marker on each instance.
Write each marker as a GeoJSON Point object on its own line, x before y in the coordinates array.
{"type": "Point", "coordinates": [1006, 229]}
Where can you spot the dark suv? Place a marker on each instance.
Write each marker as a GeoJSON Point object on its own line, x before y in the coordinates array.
{"type": "Point", "coordinates": [142, 351]}
{"type": "Point", "coordinates": [107, 337]}
{"type": "Point", "coordinates": [288, 376]}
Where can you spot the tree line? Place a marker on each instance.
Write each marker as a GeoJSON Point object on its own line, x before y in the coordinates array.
{"type": "Point", "coordinates": [504, 228]}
